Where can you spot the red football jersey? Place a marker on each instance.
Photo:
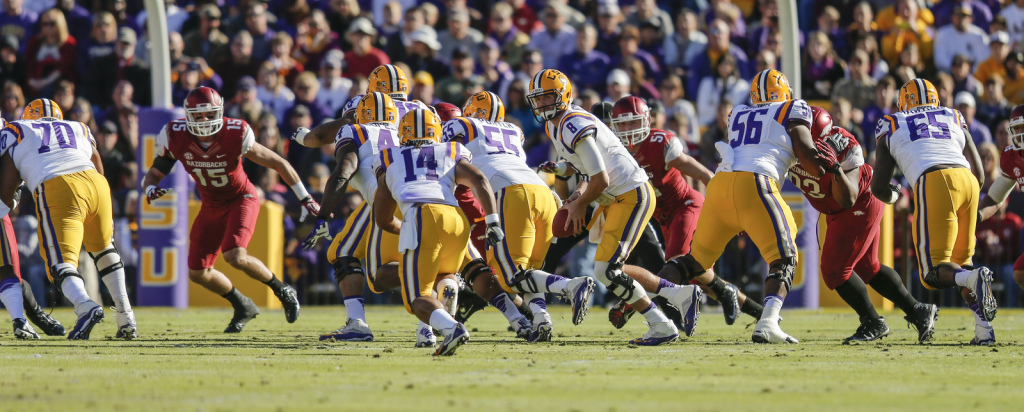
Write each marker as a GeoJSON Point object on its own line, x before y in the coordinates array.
{"type": "Point", "coordinates": [217, 168]}
{"type": "Point", "coordinates": [1011, 163]}
{"type": "Point", "coordinates": [818, 191]}
{"type": "Point", "coordinates": [661, 147]}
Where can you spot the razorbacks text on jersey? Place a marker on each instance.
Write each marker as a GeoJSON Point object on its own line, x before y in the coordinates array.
{"type": "Point", "coordinates": [217, 167]}
{"type": "Point", "coordinates": [422, 174]}
{"type": "Point", "coordinates": [923, 137]}
{"type": "Point", "coordinates": [760, 139]}
{"type": "Point", "coordinates": [369, 139]}
{"type": "Point", "coordinates": [660, 148]}
{"type": "Point", "coordinates": [404, 106]}
{"type": "Point", "coordinates": [497, 148]}
{"type": "Point", "coordinates": [42, 150]}
{"type": "Point", "coordinates": [623, 172]}
{"type": "Point", "coordinates": [818, 191]}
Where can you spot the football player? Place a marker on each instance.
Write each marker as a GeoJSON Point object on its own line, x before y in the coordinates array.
{"type": "Point", "coordinates": [619, 185]}
{"type": "Point", "coordinates": [661, 155]}
{"type": "Point", "coordinates": [935, 151]}
{"type": "Point", "coordinates": [765, 140]}
{"type": "Point", "coordinates": [211, 147]}
{"type": "Point", "coordinates": [853, 220]}
{"type": "Point", "coordinates": [419, 178]}
{"type": "Point", "coordinates": [526, 208]}
{"type": "Point", "coordinates": [59, 161]}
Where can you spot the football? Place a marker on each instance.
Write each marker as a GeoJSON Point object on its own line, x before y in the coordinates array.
{"type": "Point", "coordinates": [559, 223]}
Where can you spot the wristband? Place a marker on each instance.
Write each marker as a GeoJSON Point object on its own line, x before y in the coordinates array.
{"type": "Point", "coordinates": [492, 218]}
{"type": "Point", "coordinates": [300, 135]}
{"type": "Point", "coordinates": [300, 190]}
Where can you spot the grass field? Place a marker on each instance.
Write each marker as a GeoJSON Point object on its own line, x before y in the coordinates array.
{"type": "Point", "coordinates": [182, 362]}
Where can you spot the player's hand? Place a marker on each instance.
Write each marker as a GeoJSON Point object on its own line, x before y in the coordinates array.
{"type": "Point", "coordinates": [494, 235]}
{"type": "Point", "coordinates": [554, 168]}
{"type": "Point", "coordinates": [896, 189]}
{"type": "Point", "coordinates": [154, 193]}
{"type": "Point", "coordinates": [320, 231]}
{"type": "Point", "coordinates": [828, 157]}
{"type": "Point", "coordinates": [577, 215]}
{"type": "Point", "coordinates": [300, 134]}
{"type": "Point", "coordinates": [309, 208]}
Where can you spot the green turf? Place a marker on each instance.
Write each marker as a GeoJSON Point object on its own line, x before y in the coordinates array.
{"type": "Point", "coordinates": [182, 362]}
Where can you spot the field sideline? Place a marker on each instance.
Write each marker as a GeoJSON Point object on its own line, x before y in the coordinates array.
{"type": "Point", "coordinates": [182, 362]}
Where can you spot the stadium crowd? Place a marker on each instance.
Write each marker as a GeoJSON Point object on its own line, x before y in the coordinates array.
{"type": "Point", "coordinates": [283, 64]}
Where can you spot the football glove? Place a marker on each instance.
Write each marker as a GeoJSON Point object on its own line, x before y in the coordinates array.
{"type": "Point", "coordinates": [154, 193]}
{"type": "Point", "coordinates": [828, 158]}
{"type": "Point", "coordinates": [309, 208]}
{"type": "Point", "coordinates": [554, 168]}
{"type": "Point", "coordinates": [320, 231]}
{"type": "Point", "coordinates": [896, 189]}
{"type": "Point", "coordinates": [494, 234]}
{"type": "Point", "coordinates": [300, 134]}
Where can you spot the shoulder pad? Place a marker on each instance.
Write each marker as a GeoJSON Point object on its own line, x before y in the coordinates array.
{"type": "Point", "coordinates": [459, 128]}
{"type": "Point", "coordinates": [794, 110]}
{"type": "Point", "coordinates": [576, 125]}
{"type": "Point", "coordinates": [886, 127]}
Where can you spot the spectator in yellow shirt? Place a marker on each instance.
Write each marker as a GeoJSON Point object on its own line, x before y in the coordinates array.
{"type": "Point", "coordinates": [907, 28]}
{"type": "Point", "coordinates": [999, 45]}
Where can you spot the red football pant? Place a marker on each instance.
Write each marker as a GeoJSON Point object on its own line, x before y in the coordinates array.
{"type": "Point", "coordinates": [677, 227]}
{"type": "Point", "coordinates": [9, 247]}
{"type": "Point", "coordinates": [474, 213]}
{"type": "Point", "coordinates": [851, 242]}
{"type": "Point", "coordinates": [221, 227]}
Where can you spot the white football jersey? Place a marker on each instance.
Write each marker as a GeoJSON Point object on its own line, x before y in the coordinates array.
{"type": "Point", "coordinates": [923, 137]}
{"type": "Point", "coordinates": [424, 174]}
{"type": "Point", "coordinates": [497, 149]}
{"type": "Point", "coordinates": [404, 106]}
{"type": "Point", "coordinates": [759, 139]}
{"type": "Point", "coordinates": [624, 173]}
{"type": "Point", "coordinates": [370, 139]}
{"type": "Point", "coordinates": [42, 150]}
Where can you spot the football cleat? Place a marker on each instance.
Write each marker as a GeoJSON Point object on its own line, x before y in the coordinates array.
{"type": "Point", "coordinates": [355, 330]}
{"type": "Point", "coordinates": [469, 303]}
{"type": "Point", "coordinates": [869, 330]}
{"type": "Point", "coordinates": [619, 314]}
{"type": "Point", "coordinates": [541, 332]}
{"type": "Point", "coordinates": [687, 300]}
{"type": "Point", "coordinates": [425, 337]}
{"type": "Point", "coordinates": [983, 336]}
{"type": "Point", "coordinates": [45, 322]}
{"type": "Point", "coordinates": [768, 331]}
{"type": "Point", "coordinates": [671, 312]}
{"type": "Point", "coordinates": [290, 300]}
{"type": "Point", "coordinates": [730, 301]}
{"type": "Point", "coordinates": [126, 328]}
{"type": "Point", "coordinates": [22, 330]}
{"type": "Point", "coordinates": [453, 338]}
{"type": "Point", "coordinates": [577, 292]}
{"type": "Point", "coordinates": [923, 320]}
{"type": "Point", "coordinates": [242, 316]}
{"type": "Point", "coordinates": [659, 333]}
{"type": "Point", "coordinates": [980, 283]}
{"type": "Point", "coordinates": [523, 328]}
{"type": "Point", "coordinates": [83, 327]}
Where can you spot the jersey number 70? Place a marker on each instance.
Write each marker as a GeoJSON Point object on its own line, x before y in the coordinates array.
{"type": "Point", "coordinates": [65, 136]}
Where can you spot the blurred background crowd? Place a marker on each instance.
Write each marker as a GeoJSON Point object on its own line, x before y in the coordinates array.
{"type": "Point", "coordinates": [282, 64]}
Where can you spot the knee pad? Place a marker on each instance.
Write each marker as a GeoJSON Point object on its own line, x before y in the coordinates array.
{"type": "Point", "coordinates": [784, 269]}
{"type": "Point", "coordinates": [687, 266]}
{"type": "Point", "coordinates": [619, 283]}
{"type": "Point", "coordinates": [474, 268]}
{"type": "Point", "coordinates": [107, 261]}
{"type": "Point", "coordinates": [346, 266]}
{"type": "Point", "coordinates": [932, 278]}
{"type": "Point", "coordinates": [62, 271]}
{"type": "Point", "coordinates": [523, 282]}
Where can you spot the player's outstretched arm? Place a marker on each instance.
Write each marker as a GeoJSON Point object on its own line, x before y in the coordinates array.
{"type": "Point", "coordinates": [881, 179]}
{"type": "Point", "coordinates": [803, 147]}
{"type": "Point", "coordinates": [691, 167]}
{"type": "Point", "coordinates": [997, 194]}
{"type": "Point", "coordinates": [267, 158]}
{"type": "Point", "coordinates": [468, 175]}
{"type": "Point", "coordinates": [348, 163]}
{"type": "Point", "coordinates": [384, 206]}
{"type": "Point", "coordinates": [10, 180]}
{"type": "Point", "coordinates": [320, 135]}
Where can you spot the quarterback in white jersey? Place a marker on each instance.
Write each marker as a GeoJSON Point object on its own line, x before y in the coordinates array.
{"type": "Point", "coordinates": [932, 146]}
{"type": "Point", "coordinates": [616, 182]}
{"type": "Point", "coordinates": [60, 162]}
{"type": "Point", "coordinates": [526, 207]}
{"type": "Point", "coordinates": [420, 178]}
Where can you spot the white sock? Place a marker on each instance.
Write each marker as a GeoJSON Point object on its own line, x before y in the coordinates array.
{"type": "Point", "coordinates": [73, 288]}
{"type": "Point", "coordinates": [961, 277]}
{"type": "Point", "coordinates": [981, 322]}
{"type": "Point", "coordinates": [118, 290]}
{"type": "Point", "coordinates": [447, 291]}
{"type": "Point", "coordinates": [441, 320]}
{"type": "Point", "coordinates": [10, 295]}
{"type": "Point", "coordinates": [547, 282]}
{"type": "Point", "coordinates": [354, 308]}
{"type": "Point", "coordinates": [772, 307]}
{"type": "Point", "coordinates": [507, 308]}
{"type": "Point", "coordinates": [537, 304]}
{"type": "Point", "coordinates": [653, 314]}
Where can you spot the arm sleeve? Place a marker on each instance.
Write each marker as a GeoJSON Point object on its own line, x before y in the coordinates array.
{"type": "Point", "coordinates": [1001, 188]}
{"type": "Point", "coordinates": [673, 149]}
{"type": "Point", "coordinates": [248, 140]}
{"type": "Point", "coordinates": [163, 146]}
{"type": "Point", "coordinates": [590, 156]}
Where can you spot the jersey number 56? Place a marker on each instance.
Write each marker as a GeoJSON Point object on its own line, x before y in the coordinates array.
{"type": "Point", "coordinates": [747, 131]}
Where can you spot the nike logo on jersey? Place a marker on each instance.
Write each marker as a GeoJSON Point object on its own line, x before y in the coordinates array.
{"type": "Point", "coordinates": [858, 213]}
{"type": "Point", "coordinates": [220, 156]}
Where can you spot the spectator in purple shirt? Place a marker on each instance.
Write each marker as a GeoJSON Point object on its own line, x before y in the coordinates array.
{"type": "Point", "coordinates": [966, 104]}
{"type": "Point", "coordinates": [587, 68]}
{"type": "Point", "coordinates": [79, 19]}
{"type": "Point", "coordinates": [497, 74]}
{"type": "Point", "coordinates": [608, 18]}
{"type": "Point", "coordinates": [100, 44]}
{"type": "Point", "coordinates": [943, 12]}
{"type": "Point", "coordinates": [18, 22]}
{"type": "Point", "coordinates": [718, 44]}
{"type": "Point", "coordinates": [512, 41]}
{"type": "Point", "coordinates": [262, 35]}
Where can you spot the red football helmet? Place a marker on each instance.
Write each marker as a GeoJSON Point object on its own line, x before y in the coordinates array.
{"type": "Point", "coordinates": [631, 120]}
{"type": "Point", "coordinates": [821, 123]}
{"type": "Point", "coordinates": [203, 100]}
{"type": "Point", "coordinates": [1015, 128]}
{"type": "Point", "coordinates": [447, 111]}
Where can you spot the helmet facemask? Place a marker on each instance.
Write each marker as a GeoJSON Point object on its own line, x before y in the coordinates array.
{"type": "Point", "coordinates": [204, 128]}
{"type": "Point", "coordinates": [1015, 128]}
{"type": "Point", "coordinates": [546, 112]}
{"type": "Point", "coordinates": [632, 128]}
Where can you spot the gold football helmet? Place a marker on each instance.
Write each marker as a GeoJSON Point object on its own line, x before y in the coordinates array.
{"type": "Point", "coordinates": [917, 92]}
{"type": "Point", "coordinates": [376, 107]}
{"type": "Point", "coordinates": [485, 105]}
{"type": "Point", "coordinates": [390, 80]}
{"type": "Point", "coordinates": [770, 86]}
{"type": "Point", "coordinates": [420, 126]}
{"type": "Point", "coordinates": [550, 94]}
{"type": "Point", "coordinates": [44, 109]}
